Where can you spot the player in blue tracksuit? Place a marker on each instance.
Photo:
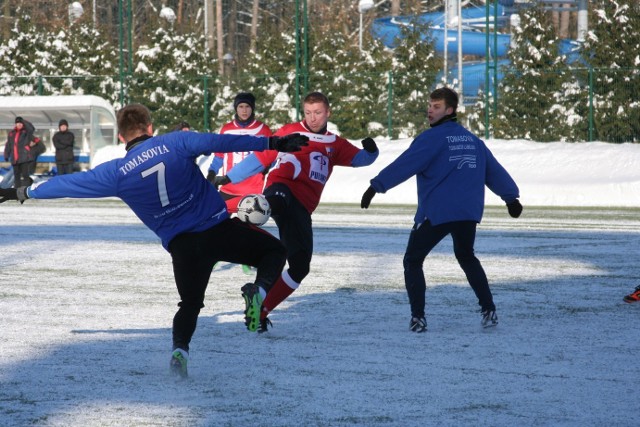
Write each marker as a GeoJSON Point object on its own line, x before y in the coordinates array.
{"type": "Point", "coordinates": [452, 167]}
{"type": "Point", "coordinates": [160, 181]}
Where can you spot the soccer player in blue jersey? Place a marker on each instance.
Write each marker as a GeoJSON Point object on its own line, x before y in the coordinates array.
{"type": "Point", "coordinates": [452, 166]}
{"type": "Point", "coordinates": [160, 181]}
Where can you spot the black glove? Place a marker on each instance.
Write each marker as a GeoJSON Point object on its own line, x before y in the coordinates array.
{"type": "Point", "coordinates": [19, 194]}
{"type": "Point", "coordinates": [220, 180]}
{"type": "Point", "coordinates": [514, 208]}
{"type": "Point", "coordinates": [369, 145]}
{"type": "Point", "coordinates": [367, 196]}
{"type": "Point", "coordinates": [288, 143]}
{"type": "Point", "coordinates": [211, 177]}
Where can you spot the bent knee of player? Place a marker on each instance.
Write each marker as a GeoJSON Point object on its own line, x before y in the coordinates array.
{"type": "Point", "coordinates": [299, 266]}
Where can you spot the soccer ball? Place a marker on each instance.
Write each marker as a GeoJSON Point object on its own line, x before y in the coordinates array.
{"type": "Point", "coordinates": [254, 209]}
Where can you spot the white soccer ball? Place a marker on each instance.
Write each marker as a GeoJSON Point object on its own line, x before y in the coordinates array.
{"type": "Point", "coordinates": [254, 209]}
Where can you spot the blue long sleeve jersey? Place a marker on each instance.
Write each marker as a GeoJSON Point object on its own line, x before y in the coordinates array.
{"type": "Point", "coordinates": [159, 180]}
{"type": "Point", "coordinates": [452, 167]}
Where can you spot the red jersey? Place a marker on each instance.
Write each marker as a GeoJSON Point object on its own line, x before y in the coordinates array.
{"type": "Point", "coordinates": [307, 171]}
{"type": "Point", "coordinates": [254, 184]}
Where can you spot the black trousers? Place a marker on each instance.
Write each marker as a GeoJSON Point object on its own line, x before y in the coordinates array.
{"type": "Point", "coordinates": [423, 238]}
{"type": "Point", "coordinates": [195, 254]}
{"type": "Point", "coordinates": [21, 173]}
{"type": "Point", "coordinates": [64, 168]}
{"type": "Point", "coordinates": [295, 228]}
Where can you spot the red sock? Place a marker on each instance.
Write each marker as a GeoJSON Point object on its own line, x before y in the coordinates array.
{"type": "Point", "coordinates": [283, 287]}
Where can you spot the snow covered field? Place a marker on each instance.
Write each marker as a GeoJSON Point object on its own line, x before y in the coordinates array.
{"type": "Point", "coordinates": [87, 298]}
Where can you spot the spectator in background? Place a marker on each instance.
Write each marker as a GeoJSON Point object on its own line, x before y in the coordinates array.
{"type": "Point", "coordinates": [17, 151]}
{"type": "Point", "coordinates": [63, 141]}
{"type": "Point", "coordinates": [244, 123]}
{"type": "Point", "coordinates": [183, 126]}
{"type": "Point", "coordinates": [36, 147]}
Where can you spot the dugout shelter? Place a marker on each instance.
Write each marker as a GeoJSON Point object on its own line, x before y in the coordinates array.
{"type": "Point", "coordinates": [91, 119]}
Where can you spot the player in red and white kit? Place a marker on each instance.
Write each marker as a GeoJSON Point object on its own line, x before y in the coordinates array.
{"type": "Point", "coordinates": [293, 189]}
{"type": "Point", "coordinates": [244, 123]}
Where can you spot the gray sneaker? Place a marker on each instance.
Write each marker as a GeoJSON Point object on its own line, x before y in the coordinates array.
{"type": "Point", "coordinates": [418, 324]}
{"type": "Point", "coordinates": [489, 318]}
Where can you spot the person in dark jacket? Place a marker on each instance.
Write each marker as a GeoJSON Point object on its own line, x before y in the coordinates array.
{"type": "Point", "coordinates": [17, 151]}
{"type": "Point", "coordinates": [452, 167]}
{"type": "Point", "coordinates": [63, 141]}
{"type": "Point", "coordinates": [36, 147]}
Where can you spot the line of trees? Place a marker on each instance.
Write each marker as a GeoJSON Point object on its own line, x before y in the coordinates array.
{"type": "Point", "coordinates": [545, 95]}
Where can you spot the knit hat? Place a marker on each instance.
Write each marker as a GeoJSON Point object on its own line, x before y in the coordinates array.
{"type": "Point", "coordinates": [63, 122]}
{"type": "Point", "coordinates": [246, 98]}
{"type": "Point", "coordinates": [19, 120]}
{"type": "Point", "coordinates": [183, 125]}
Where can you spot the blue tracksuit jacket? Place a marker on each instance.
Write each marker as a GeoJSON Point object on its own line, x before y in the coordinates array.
{"type": "Point", "coordinates": [452, 167]}
{"type": "Point", "coordinates": [159, 180]}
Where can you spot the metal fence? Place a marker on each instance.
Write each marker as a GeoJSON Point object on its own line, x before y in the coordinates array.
{"type": "Point", "coordinates": [582, 104]}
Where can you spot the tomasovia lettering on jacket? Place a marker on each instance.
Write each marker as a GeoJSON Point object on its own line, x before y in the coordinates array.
{"type": "Point", "coordinates": [459, 138]}
{"type": "Point", "coordinates": [143, 157]}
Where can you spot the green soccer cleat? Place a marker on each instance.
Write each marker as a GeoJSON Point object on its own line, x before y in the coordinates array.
{"type": "Point", "coordinates": [253, 305]}
{"type": "Point", "coordinates": [178, 364]}
{"type": "Point", "coordinates": [246, 269]}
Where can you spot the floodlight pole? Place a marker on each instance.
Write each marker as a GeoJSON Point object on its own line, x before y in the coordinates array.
{"type": "Point", "coordinates": [363, 7]}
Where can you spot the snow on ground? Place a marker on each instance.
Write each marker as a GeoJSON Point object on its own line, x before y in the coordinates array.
{"type": "Point", "coordinates": [548, 174]}
{"type": "Point", "coordinates": [87, 298]}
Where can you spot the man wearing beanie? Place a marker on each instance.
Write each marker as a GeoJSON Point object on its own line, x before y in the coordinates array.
{"type": "Point", "coordinates": [244, 123]}
{"type": "Point", "coordinates": [17, 151]}
{"type": "Point", "coordinates": [63, 141]}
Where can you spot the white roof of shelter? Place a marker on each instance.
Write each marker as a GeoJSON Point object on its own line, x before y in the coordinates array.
{"type": "Point", "coordinates": [47, 111]}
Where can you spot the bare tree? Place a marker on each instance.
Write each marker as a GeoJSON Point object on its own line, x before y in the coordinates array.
{"type": "Point", "coordinates": [561, 20]}
{"type": "Point", "coordinates": [564, 22]}
{"type": "Point", "coordinates": [6, 24]}
{"type": "Point", "coordinates": [232, 29]}
{"type": "Point", "coordinates": [395, 7]}
{"type": "Point", "coordinates": [219, 36]}
{"type": "Point", "coordinates": [210, 25]}
{"type": "Point", "coordinates": [254, 24]}
{"type": "Point", "coordinates": [179, 13]}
